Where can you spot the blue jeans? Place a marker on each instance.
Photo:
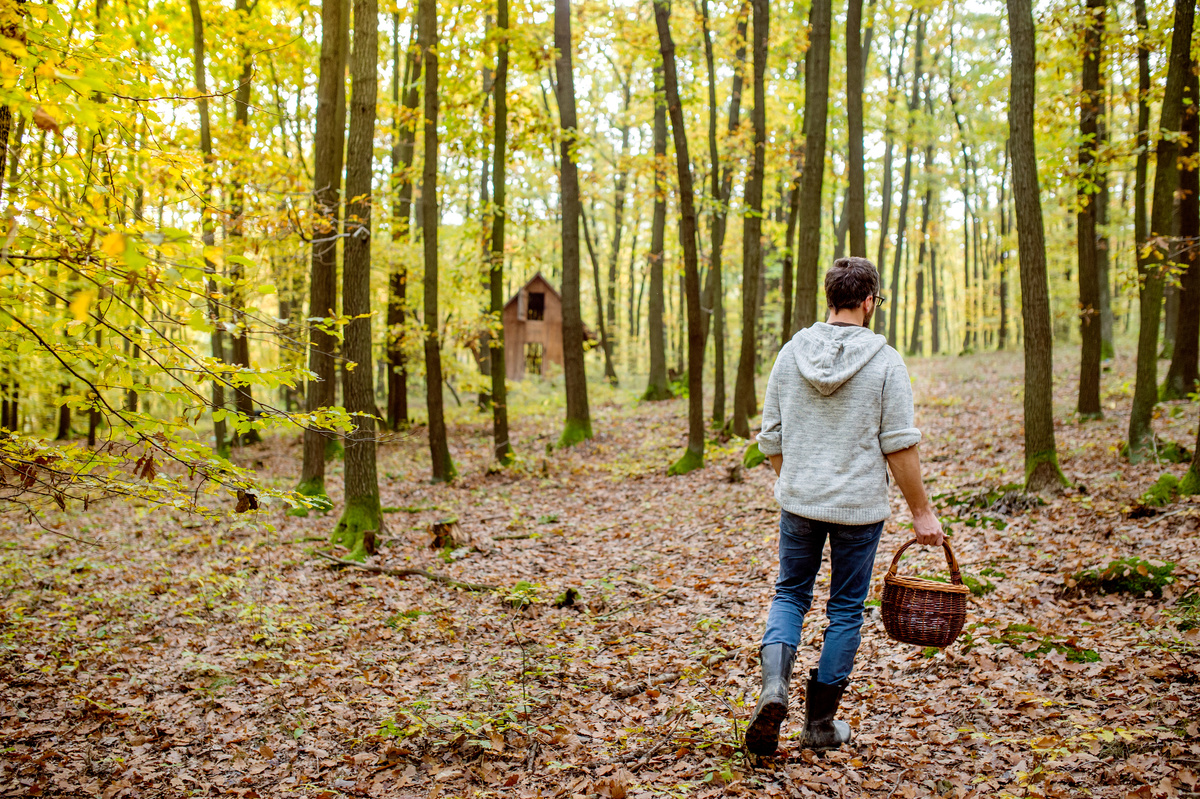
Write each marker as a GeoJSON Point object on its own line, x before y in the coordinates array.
{"type": "Point", "coordinates": [852, 552]}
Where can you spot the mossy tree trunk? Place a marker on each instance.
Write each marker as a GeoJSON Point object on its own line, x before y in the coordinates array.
{"type": "Point", "coordinates": [362, 512]}
{"type": "Point", "coordinates": [1041, 457]}
{"type": "Point", "coordinates": [327, 183]}
{"type": "Point", "coordinates": [1152, 267]}
{"type": "Point", "coordinates": [693, 457]}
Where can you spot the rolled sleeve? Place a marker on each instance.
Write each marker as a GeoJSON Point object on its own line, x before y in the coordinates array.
{"type": "Point", "coordinates": [770, 438]}
{"type": "Point", "coordinates": [896, 429]}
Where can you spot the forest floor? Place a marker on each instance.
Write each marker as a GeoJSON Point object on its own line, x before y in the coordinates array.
{"type": "Point", "coordinates": [176, 658]}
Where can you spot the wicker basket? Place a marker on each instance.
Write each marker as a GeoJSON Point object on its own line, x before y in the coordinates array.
{"type": "Point", "coordinates": [924, 612]}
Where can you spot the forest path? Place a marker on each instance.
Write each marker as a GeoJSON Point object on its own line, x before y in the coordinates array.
{"type": "Point", "coordinates": [179, 659]}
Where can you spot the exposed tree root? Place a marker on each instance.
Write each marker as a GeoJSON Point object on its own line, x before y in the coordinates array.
{"type": "Point", "coordinates": [437, 578]}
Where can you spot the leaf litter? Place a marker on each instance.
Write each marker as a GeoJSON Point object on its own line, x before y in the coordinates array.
{"type": "Point", "coordinates": [618, 656]}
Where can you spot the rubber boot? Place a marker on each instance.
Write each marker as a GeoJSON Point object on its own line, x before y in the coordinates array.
{"type": "Point", "coordinates": [762, 735]}
{"type": "Point", "coordinates": [821, 730]}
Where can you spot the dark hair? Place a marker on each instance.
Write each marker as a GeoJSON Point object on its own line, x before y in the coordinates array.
{"type": "Point", "coordinates": [850, 282]}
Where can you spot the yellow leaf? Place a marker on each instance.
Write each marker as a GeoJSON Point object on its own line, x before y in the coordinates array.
{"type": "Point", "coordinates": [81, 303]}
{"type": "Point", "coordinates": [113, 244]}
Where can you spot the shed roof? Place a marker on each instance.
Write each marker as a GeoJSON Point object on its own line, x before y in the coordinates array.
{"type": "Point", "coordinates": [537, 276]}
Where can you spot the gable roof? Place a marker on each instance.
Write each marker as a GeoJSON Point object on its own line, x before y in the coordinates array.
{"type": "Point", "coordinates": [537, 276]}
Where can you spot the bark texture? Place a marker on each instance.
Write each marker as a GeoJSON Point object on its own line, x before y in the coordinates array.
{"type": "Point", "coordinates": [578, 425]}
{"type": "Point", "coordinates": [328, 144]}
{"type": "Point", "coordinates": [362, 514]}
{"type": "Point", "coordinates": [657, 386]}
{"type": "Point", "coordinates": [501, 446]}
{"type": "Point", "coordinates": [1156, 247]}
{"type": "Point", "coordinates": [1091, 109]}
{"type": "Point", "coordinates": [693, 457]}
{"type": "Point", "coordinates": [442, 466]}
{"type": "Point", "coordinates": [1041, 457]}
{"type": "Point", "coordinates": [745, 406]}
{"type": "Point", "coordinates": [1181, 376]}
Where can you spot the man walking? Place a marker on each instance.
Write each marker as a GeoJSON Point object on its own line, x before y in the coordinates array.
{"type": "Point", "coordinates": [838, 412]}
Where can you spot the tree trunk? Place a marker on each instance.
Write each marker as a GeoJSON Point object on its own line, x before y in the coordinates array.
{"type": "Point", "coordinates": [722, 185]}
{"type": "Point", "coordinates": [902, 222]}
{"type": "Point", "coordinates": [787, 279]}
{"type": "Point", "coordinates": [855, 209]}
{"type": "Point", "coordinates": [745, 406]}
{"type": "Point", "coordinates": [207, 231]}
{"type": "Point", "coordinates": [243, 398]}
{"type": "Point", "coordinates": [610, 373]}
{"type": "Point", "coordinates": [1091, 109]}
{"type": "Point", "coordinates": [1181, 377]}
{"type": "Point", "coordinates": [1155, 248]}
{"type": "Point", "coordinates": [935, 303]}
{"type": "Point", "coordinates": [1041, 458]}
{"type": "Point", "coordinates": [889, 136]}
{"type": "Point", "coordinates": [1005, 229]}
{"type": "Point", "coordinates": [439, 450]}
{"type": "Point", "coordinates": [362, 513]}
{"type": "Point", "coordinates": [404, 97]}
{"type": "Point", "coordinates": [657, 385]}
{"type": "Point", "coordinates": [619, 192]}
{"type": "Point", "coordinates": [327, 182]}
{"type": "Point", "coordinates": [915, 344]}
{"type": "Point", "coordinates": [816, 101]}
{"type": "Point", "coordinates": [578, 425]}
{"type": "Point", "coordinates": [693, 457]}
{"type": "Point", "coordinates": [501, 445]}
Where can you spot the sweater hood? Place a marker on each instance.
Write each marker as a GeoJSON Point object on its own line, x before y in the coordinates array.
{"type": "Point", "coordinates": [829, 355]}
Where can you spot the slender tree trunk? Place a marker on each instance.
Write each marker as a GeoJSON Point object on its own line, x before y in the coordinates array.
{"type": "Point", "coordinates": [610, 373]}
{"type": "Point", "coordinates": [1005, 230]}
{"type": "Point", "coordinates": [693, 457]}
{"type": "Point", "coordinates": [889, 136]}
{"type": "Point", "coordinates": [935, 303]}
{"type": "Point", "coordinates": [816, 94]}
{"type": "Point", "coordinates": [405, 98]}
{"type": "Point", "coordinates": [915, 344]}
{"type": "Point", "coordinates": [657, 386]}
{"type": "Point", "coordinates": [578, 424]}
{"type": "Point", "coordinates": [1181, 376]}
{"type": "Point", "coordinates": [243, 397]}
{"type": "Point", "coordinates": [856, 201]}
{"type": "Point", "coordinates": [439, 450]}
{"type": "Point", "coordinates": [1091, 109]}
{"type": "Point", "coordinates": [502, 446]}
{"type": "Point", "coordinates": [361, 515]}
{"type": "Point", "coordinates": [787, 279]}
{"type": "Point", "coordinates": [745, 406]}
{"type": "Point", "coordinates": [1153, 249]}
{"type": "Point", "coordinates": [902, 222]}
{"type": "Point", "coordinates": [619, 192]}
{"type": "Point", "coordinates": [327, 183]}
{"type": "Point", "coordinates": [1041, 457]}
{"type": "Point", "coordinates": [722, 185]}
{"type": "Point", "coordinates": [208, 236]}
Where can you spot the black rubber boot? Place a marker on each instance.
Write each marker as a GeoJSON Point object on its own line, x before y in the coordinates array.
{"type": "Point", "coordinates": [821, 730]}
{"type": "Point", "coordinates": [762, 735]}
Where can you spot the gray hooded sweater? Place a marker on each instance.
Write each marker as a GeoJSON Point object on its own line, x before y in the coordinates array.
{"type": "Point", "coordinates": [838, 401]}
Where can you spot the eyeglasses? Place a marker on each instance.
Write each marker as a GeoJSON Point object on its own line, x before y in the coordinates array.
{"type": "Point", "coordinates": [880, 300]}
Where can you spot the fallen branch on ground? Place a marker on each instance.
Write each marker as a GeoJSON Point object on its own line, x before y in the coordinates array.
{"type": "Point", "coordinates": [437, 578]}
{"type": "Point", "coordinates": [631, 604]}
{"type": "Point", "coordinates": [635, 688]}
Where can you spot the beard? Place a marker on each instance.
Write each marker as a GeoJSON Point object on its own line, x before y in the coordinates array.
{"type": "Point", "coordinates": [867, 317]}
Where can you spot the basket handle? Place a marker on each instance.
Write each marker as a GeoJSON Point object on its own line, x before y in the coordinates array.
{"type": "Point", "coordinates": [955, 576]}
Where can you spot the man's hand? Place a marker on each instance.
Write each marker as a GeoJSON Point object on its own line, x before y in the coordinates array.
{"type": "Point", "coordinates": [928, 529]}
{"type": "Point", "coordinates": [906, 468]}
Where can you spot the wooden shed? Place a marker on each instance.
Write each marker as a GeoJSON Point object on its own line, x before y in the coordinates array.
{"type": "Point", "coordinates": [533, 322]}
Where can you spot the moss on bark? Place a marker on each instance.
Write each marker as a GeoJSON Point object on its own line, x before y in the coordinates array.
{"type": "Point", "coordinates": [1042, 473]}
{"type": "Point", "coordinates": [1190, 484]}
{"type": "Point", "coordinates": [576, 430]}
{"type": "Point", "coordinates": [690, 462]}
{"type": "Point", "coordinates": [359, 516]}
